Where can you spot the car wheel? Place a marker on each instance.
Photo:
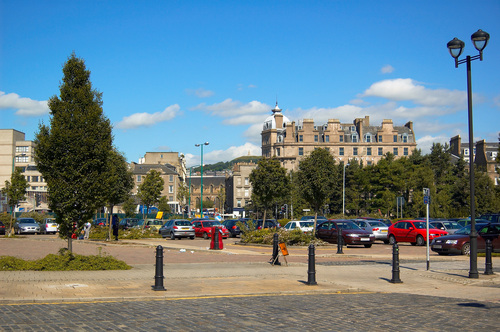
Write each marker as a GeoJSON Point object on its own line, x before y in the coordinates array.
{"type": "Point", "coordinates": [420, 240]}
{"type": "Point", "coordinates": [386, 241]}
{"type": "Point", "coordinates": [18, 231]}
{"type": "Point", "coordinates": [466, 249]}
{"type": "Point", "coordinates": [368, 245]}
{"type": "Point", "coordinates": [392, 240]}
{"type": "Point", "coordinates": [172, 236]}
{"type": "Point", "coordinates": [205, 235]}
{"type": "Point", "coordinates": [192, 237]}
{"type": "Point", "coordinates": [413, 243]}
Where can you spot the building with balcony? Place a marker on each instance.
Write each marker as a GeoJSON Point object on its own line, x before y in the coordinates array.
{"type": "Point", "coordinates": [290, 141]}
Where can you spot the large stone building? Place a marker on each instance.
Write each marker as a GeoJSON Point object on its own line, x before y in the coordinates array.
{"type": "Point", "coordinates": [290, 141]}
{"type": "Point", "coordinates": [16, 152]}
{"type": "Point", "coordinates": [214, 191]}
{"type": "Point", "coordinates": [239, 188]}
{"type": "Point", "coordinates": [484, 154]}
{"type": "Point", "coordinates": [172, 168]}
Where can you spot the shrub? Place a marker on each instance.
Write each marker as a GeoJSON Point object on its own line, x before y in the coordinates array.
{"type": "Point", "coordinates": [64, 261]}
{"type": "Point", "coordinates": [266, 236]}
{"type": "Point", "coordinates": [101, 233]}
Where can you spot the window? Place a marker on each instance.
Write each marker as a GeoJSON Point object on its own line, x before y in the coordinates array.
{"type": "Point", "coordinates": [395, 151]}
{"type": "Point", "coordinates": [22, 159]}
{"type": "Point", "coordinates": [354, 138]}
{"type": "Point", "coordinates": [238, 203]}
{"type": "Point", "coordinates": [368, 138]}
{"type": "Point", "coordinates": [327, 138]}
{"type": "Point", "coordinates": [247, 181]}
{"type": "Point", "coordinates": [20, 149]}
{"type": "Point", "coordinates": [405, 138]}
{"type": "Point", "coordinates": [355, 151]}
{"type": "Point", "coordinates": [341, 151]}
{"type": "Point", "coordinates": [380, 151]}
{"type": "Point", "coordinates": [405, 151]}
{"type": "Point", "coordinates": [278, 152]}
{"type": "Point", "coordinates": [395, 137]}
{"type": "Point", "coordinates": [34, 178]}
{"type": "Point", "coordinates": [170, 189]}
{"type": "Point", "coordinates": [171, 178]}
{"type": "Point", "coordinates": [28, 178]}
{"type": "Point", "coordinates": [466, 152]}
{"type": "Point", "coordinates": [171, 198]}
{"type": "Point", "coordinates": [247, 193]}
{"type": "Point", "coordinates": [368, 151]}
{"type": "Point", "coordinates": [380, 138]}
{"type": "Point", "coordinates": [341, 138]}
{"type": "Point", "coordinates": [369, 162]}
{"type": "Point", "coordinates": [138, 178]}
{"type": "Point", "coordinates": [301, 151]}
{"type": "Point", "coordinates": [301, 138]}
{"type": "Point", "coordinates": [316, 138]}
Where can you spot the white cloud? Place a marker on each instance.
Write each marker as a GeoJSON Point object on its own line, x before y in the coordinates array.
{"type": "Point", "coordinates": [200, 92]}
{"type": "Point", "coordinates": [24, 106]}
{"type": "Point", "coordinates": [212, 157]}
{"type": "Point", "coordinates": [237, 112]}
{"type": "Point", "coordinates": [406, 89]}
{"type": "Point", "coordinates": [148, 119]}
{"type": "Point", "coordinates": [425, 143]}
{"type": "Point", "coordinates": [387, 69]}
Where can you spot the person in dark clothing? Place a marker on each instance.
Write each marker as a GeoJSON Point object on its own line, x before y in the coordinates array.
{"type": "Point", "coordinates": [115, 223]}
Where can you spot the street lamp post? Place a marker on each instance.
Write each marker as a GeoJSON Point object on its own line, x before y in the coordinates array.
{"type": "Point", "coordinates": [456, 46]}
{"type": "Point", "coordinates": [201, 196]}
{"type": "Point", "coordinates": [343, 190]}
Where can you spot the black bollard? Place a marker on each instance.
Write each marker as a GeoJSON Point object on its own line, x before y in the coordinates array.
{"type": "Point", "coordinates": [395, 264]}
{"type": "Point", "coordinates": [311, 270]}
{"type": "Point", "coordinates": [275, 258]}
{"type": "Point", "coordinates": [216, 238]}
{"type": "Point", "coordinates": [159, 270]}
{"type": "Point", "coordinates": [340, 240]}
{"type": "Point", "coordinates": [488, 270]}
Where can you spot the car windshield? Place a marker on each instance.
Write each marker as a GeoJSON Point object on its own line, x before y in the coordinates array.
{"type": "Point", "coordinates": [466, 230]}
{"type": "Point", "coordinates": [209, 223]}
{"type": "Point", "coordinates": [347, 225]}
{"type": "Point", "coordinates": [377, 224]}
{"type": "Point", "coordinates": [452, 225]}
{"type": "Point", "coordinates": [182, 223]}
{"type": "Point", "coordinates": [154, 222]}
{"type": "Point", "coordinates": [27, 221]}
{"type": "Point", "coordinates": [421, 225]}
{"type": "Point", "coordinates": [306, 224]}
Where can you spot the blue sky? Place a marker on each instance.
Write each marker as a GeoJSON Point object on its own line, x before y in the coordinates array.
{"type": "Point", "coordinates": [177, 73]}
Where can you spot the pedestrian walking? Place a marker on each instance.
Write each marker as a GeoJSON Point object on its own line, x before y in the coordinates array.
{"type": "Point", "coordinates": [115, 226]}
{"type": "Point", "coordinates": [86, 228]}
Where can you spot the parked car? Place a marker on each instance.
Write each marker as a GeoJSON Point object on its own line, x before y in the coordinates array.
{"type": "Point", "coordinates": [232, 226]}
{"type": "Point", "coordinates": [491, 217]}
{"type": "Point", "coordinates": [154, 224]}
{"type": "Point", "coordinates": [304, 226]}
{"type": "Point", "coordinates": [378, 228]}
{"type": "Point", "coordinates": [177, 228]}
{"type": "Point", "coordinates": [27, 226]}
{"type": "Point", "coordinates": [270, 223]}
{"type": "Point", "coordinates": [99, 222]}
{"type": "Point", "coordinates": [320, 218]}
{"type": "Point", "coordinates": [413, 231]}
{"type": "Point", "coordinates": [2, 228]}
{"type": "Point", "coordinates": [351, 233]}
{"type": "Point", "coordinates": [459, 243]}
{"type": "Point", "coordinates": [446, 225]}
{"type": "Point", "coordinates": [203, 228]}
{"type": "Point", "coordinates": [466, 221]}
{"type": "Point", "coordinates": [388, 222]}
{"type": "Point", "coordinates": [49, 225]}
{"type": "Point", "coordinates": [127, 223]}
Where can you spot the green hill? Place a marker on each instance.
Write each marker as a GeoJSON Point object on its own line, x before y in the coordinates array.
{"type": "Point", "coordinates": [221, 166]}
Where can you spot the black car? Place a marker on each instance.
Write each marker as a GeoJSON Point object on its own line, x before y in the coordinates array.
{"type": "Point", "coordinates": [127, 223]}
{"type": "Point", "coordinates": [232, 226]}
{"type": "Point", "coordinates": [491, 217]}
{"type": "Point", "coordinates": [270, 223]}
{"type": "Point", "coordinates": [2, 228]}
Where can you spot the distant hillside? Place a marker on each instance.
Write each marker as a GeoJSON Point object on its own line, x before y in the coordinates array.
{"type": "Point", "coordinates": [221, 166]}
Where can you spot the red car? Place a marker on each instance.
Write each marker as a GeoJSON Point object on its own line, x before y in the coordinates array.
{"type": "Point", "coordinates": [413, 231]}
{"type": "Point", "coordinates": [203, 228]}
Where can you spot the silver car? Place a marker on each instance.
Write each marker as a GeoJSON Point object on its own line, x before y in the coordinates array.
{"type": "Point", "coordinates": [26, 226]}
{"type": "Point", "coordinates": [378, 228]}
{"type": "Point", "coordinates": [177, 228]}
{"type": "Point", "coordinates": [450, 226]}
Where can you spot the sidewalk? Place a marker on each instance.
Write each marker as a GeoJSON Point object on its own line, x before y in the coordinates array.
{"type": "Point", "coordinates": [447, 278]}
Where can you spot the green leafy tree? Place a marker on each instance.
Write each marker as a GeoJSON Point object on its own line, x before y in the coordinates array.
{"type": "Point", "coordinates": [183, 193]}
{"type": "Point", "coordinates": [150, 189]}
{"type": "Point", "coordinates": [316, 178]}
{"type": "Point", "coordinates": [270, 184]}
{"type": "Point", "coordinates": [73, 151]}
{"type": "Point", "coordinates": [15, 190]}
{"type": "Point", "coordinates": [119, 183]}
{"type": "Point", "coordinates": [163, 205]}
{"type": "Point", "coordinates": [129, 206]}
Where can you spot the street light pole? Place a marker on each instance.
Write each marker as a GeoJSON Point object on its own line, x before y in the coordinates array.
{"type": "Point", "coordinates": [201, 196]}
{"type": "Point", "coordinates": [455, 46]}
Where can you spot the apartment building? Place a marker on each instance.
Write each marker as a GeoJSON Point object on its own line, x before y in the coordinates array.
{"type": "Point", "coordinates": [290, 141]}
{"type": "Point", "coordinates": [17, 152]}
{"type": "Point", "coordinates": [239, 188]}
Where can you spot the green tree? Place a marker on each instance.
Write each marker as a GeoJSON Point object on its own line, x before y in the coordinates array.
{"type": "Point", "coordinates": [129, 206]}
{"type": "Point", "coordinates": [163, 205]}
{"type": "Point", "coordinates": [119, 183]}
{"type": "Point", "coordinates": [183, 193]}
{"type": "Point", "coordinates": [316, 179]}
{"type": "Point", "coordinates": [73, 151]}
{"type": "Point", "coordinates": [15, 190]}
{"type": "Point", "coordinates": [270, 184]}
{"type": "Point", "coordinates": [150, 189]}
